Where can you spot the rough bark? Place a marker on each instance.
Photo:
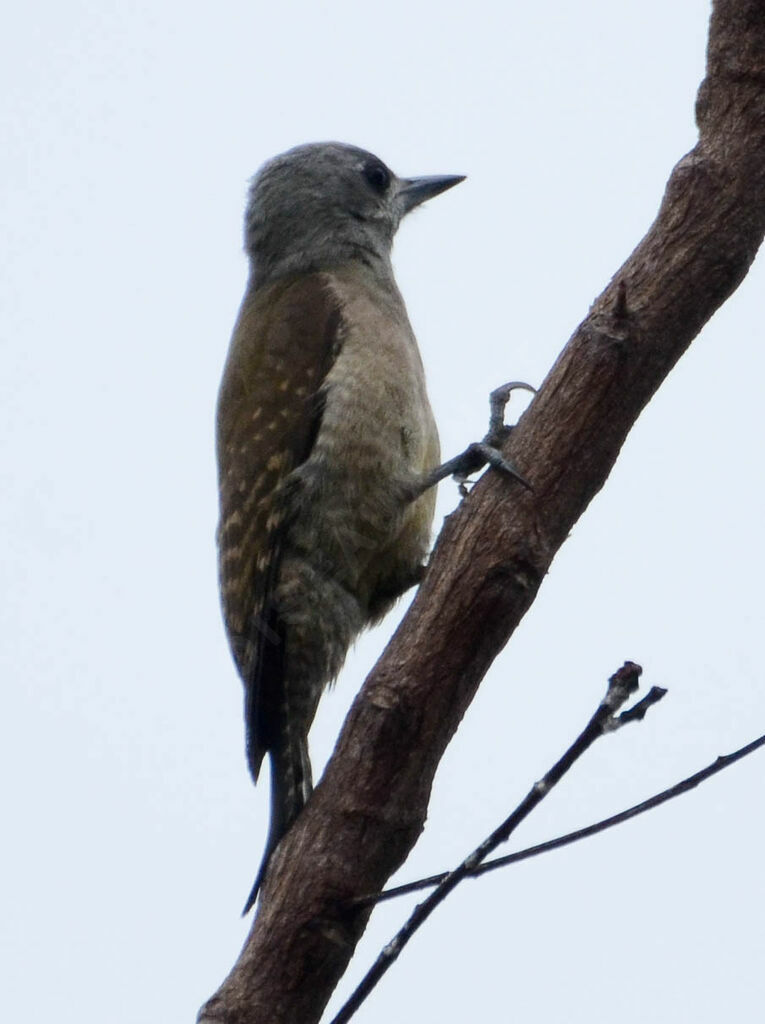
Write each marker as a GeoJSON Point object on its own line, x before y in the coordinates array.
{"type": "Point", "coordinates": [495, 550]}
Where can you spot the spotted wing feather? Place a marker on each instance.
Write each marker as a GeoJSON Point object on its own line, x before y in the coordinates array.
{"type": "Point", "coordinates": [284, 344]}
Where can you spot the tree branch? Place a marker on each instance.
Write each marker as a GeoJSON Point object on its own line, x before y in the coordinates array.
{"type": "Point", "coordinates": [605, 719]}
{"type": "Point", "coordinates": [496, 549]}
{"type": "Point", "coordinates": [684, 786]}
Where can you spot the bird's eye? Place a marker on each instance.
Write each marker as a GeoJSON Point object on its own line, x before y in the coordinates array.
{"type": "Point", "coordinates": [378, 176]}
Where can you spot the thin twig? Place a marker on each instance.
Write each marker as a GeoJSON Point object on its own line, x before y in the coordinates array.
{"type": "Point", "coordinates": [685, 786]}
{"type": "Point", "coordinates": [621, 684]}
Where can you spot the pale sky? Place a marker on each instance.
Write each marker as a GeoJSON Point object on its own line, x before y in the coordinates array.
{"type": "Point", "coordinates": [132, 829]}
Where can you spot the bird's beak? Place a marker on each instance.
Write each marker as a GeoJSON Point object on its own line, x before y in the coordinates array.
{"type": "Point", "coordinates": [413, 191]}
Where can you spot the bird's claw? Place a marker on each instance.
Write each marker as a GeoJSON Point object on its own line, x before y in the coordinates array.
{"type": "Point", "coordinates": [480, 453]}
{"type": "Point", "coordinates": [493, 457]}
{"type": "Point", "coordinates": [488, 452]}
{"type": "Point", "coordinates": [498, 399]}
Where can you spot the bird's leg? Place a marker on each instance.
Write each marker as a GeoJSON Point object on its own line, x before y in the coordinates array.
{"type": "Point", "coordinates": [480, 453]}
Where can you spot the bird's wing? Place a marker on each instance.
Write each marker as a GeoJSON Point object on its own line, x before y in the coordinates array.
{"type": "Point", "coordinates": [284, 344]}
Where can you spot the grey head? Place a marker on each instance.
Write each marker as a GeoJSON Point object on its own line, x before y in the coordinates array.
{"type": "Point", "coordinates": [325, 204]}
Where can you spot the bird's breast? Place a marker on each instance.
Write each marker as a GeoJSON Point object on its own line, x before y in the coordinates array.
{"type": "Point", "coordinates": [376, 436]}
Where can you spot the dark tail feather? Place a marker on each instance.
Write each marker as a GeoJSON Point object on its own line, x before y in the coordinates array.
{"type": "Point", "coordinates": [291, 786]}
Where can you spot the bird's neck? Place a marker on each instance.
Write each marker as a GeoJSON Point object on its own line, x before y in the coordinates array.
{"type": "Point", "coordinates": [279, 248]}
{"type": "Point", "coordinates": [267, 269]}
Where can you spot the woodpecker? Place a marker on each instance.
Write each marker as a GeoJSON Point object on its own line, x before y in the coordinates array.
{"type": "Point", "coordinates": [326, 445]}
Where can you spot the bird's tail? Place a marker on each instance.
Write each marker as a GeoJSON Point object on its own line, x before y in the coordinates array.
{"type": "Point", "coordinates": [291, 785]}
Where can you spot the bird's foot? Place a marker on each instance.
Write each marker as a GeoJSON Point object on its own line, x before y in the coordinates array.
{"type": "Point", "coordinates": [481, 453]}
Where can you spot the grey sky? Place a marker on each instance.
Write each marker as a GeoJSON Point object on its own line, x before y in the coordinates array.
{"type": "Point", "coordinates": [132, 830]}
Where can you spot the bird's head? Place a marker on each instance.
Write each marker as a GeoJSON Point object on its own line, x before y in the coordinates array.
{"type": "Point", "coordinates": [325, 204]}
